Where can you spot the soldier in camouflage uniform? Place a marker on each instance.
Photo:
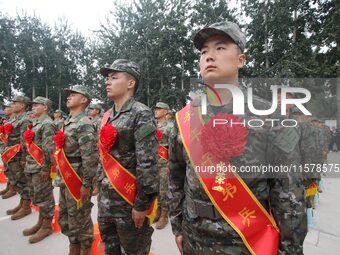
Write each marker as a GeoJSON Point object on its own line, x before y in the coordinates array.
{"type": "Point", "coordinates": [38, 177]}
{"type": "Point", "coordinates": [95, 111]}
{"type": "Point", "coordinates": [198, 226]}
{"type": "Point", "coordinates": [9, 191]}
{"type": "Point", "coordinates": [122, 226]}
{"type": "Point", "coordinates": [160, 110]}
{"type": "Point", "coordinates": [81, 151]}
{"type": "Point", "coordinates": [58, 118]}
{"type": "Point", "coordinates": [17, 163]}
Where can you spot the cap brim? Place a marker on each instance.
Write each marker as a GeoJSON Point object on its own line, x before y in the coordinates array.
{"type": "Point", "coordinates": [105, 71]}
{"type": "Point", "coordinates": [206, 33]}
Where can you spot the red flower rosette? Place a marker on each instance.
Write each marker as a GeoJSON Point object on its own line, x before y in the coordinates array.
{"type": "Point", "coordinates": [159, 134]}
{"type": "Point", "coordinates": [59, 139]}
{"type": "Point", "coordinates": [8, 127]}
{"type": "Point", "coordinates": [108, 136]}
{"type": "Point", "coordinates": [29, 134]}
{"type": "Point", "coordinates": [223, 140]}
{"type": "Point", "coordinates": [2, 130]}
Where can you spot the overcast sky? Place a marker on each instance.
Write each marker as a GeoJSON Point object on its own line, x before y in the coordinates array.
{"type": "Point", "coordinates": [84, 15]}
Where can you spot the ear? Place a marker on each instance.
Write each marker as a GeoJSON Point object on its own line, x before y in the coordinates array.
{"type": "Point", "coordinates": [131, 84]}
{"type": "Point", "coordinates": [241, 60]}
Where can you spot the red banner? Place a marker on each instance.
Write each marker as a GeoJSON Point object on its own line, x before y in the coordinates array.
{"type": "Point", "coordinates": [3, 137]}
{"type": "Point", "coordinates": [230, 195]}
{"type": "Point", "coordinates": [10, 153]}
{"type": "Point", "coordinates": [35, 152]}
{"type": "Point", "coordinates": [163, 152]}
{"type": "Point", "coordinates": [69, 175]}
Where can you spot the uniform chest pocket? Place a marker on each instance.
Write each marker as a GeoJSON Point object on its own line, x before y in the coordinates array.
{"type": "Point", "coordinates": [125, 139]}
{"type": "Point", "coordinates": [71, 138]}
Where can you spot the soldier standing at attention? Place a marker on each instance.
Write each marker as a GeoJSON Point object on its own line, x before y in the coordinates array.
{"type": "Point", "coordinates": [128, 180]}
{"type": "Point", "coordinates": [39, 149]}
{"type": "Point", "coordinates": [94, 114]}
{"type": "Point", "coordinates": [95, 111]}
{"type": "Point", "coordinates": [58, 118]}
{"type": "Point", "coordinates": [77, 160]}
{"type": "Point", "coordinates": [219, 212]}
{"type": "Point", "coordinates": [9, 191]}
{"type": "Point", "coordinates": [164, 128]}
{"type": "Point", "coordinates": [15, 157]}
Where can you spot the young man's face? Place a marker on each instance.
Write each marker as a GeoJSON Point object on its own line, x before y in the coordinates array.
{"type": "Point", "coordinates": [160, 113]}
{"type": "Point", "coordinates": [118, 84]}
{"type": "Point", "coordinates": [18, 107]}
{"type": "Point", "coordinates": [39, 110]}
{"type": "Point", "coordinates": [8, 111]}
{"type": "Point", "coordinates": [220, 60]}
{"type": "Point", "coordinates": [94, 112]}
{"type": "Point", "coordinates": [75, 100]}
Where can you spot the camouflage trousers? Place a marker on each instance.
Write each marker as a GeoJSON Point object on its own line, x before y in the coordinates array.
{"type": "Point", "coordinates": [17, 177]}
{"type": "Point", "coordinates": [210, 237]}
{"type": "Point", "coordinates": [121, 236]}
{"type": "Point", "coordinates": [163, 185]}
{"type": "Point", "coordinates": [41, 193]}
{"type": "Point", "coordinates": [75, 223]}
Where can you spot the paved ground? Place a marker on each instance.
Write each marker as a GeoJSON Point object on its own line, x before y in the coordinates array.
{"type": "Point", "coordinates": [322, 238]}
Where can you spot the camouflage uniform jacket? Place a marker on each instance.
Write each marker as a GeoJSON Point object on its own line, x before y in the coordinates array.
{"type": "Point", "coordinates": [136, 150]}
{"type": "Point", "coordinates": [20, 124]}
{"type": "Point", "coordinates": [286, 194]}
{"type": "Point", "coordinates": [80, 147]}
{"type": "Point", "coordinates": [44, 130]}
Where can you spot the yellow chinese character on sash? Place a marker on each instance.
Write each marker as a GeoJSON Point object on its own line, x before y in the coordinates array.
{"type": "Point", "coordinates": [220, 177]}
{"type": "Point", "coordinates": [227, 192]}
{"type": "Point", "coordinates": [195, 135]}
{"type": "Point", "coordinates": [246, 214]}
{"type": "Point", "coordinates": [129, 187]}
{"type": "Point", "coordinates": [67, 175]}
{"type": "Point", "coordinates": [115, 173]}
{"type": "Point", "coordinates": [187, 116]}
{"type": "Point", "coordinates": [207, 159]}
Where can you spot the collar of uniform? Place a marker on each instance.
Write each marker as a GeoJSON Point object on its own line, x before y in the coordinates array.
{"type": "Point", "coordinates": [41, 119]}
{"type": "Point", "coordinates": [21, 115]}
{"type": "Point", "coordinates": [125, 108]}
{"type": "Point", "coordinates": [75, 118]}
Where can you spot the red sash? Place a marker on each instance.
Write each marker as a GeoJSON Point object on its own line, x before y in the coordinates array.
{"type": "Point", "coordinates": [36, 153]}
{"type": "Point", "coordinates": [230, 196]}
{"type": "Point", "coordinates": [10, 153]}
{"type": "Point", "coordinates": [71, 178]}
{"type": "Point", "coordinates": [3, 137]}
{"type": "Point", "coordinates": [123, 182]}
{"type": "Point", "coordinates": [163, 152]}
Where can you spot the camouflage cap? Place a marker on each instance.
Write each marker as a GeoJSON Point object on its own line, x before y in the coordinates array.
{"type": "Point", "coordinates": [227, 28]}
{"type": "Point", "coordinates": [42, 100]}
{"type": "Point", "coordinates": [21, 99]}
{"type": "Point", "coordinates": [161, 105]}
{"type": "Point", "coordinates": [122, 65]}
{"type": "Point", "coordinates": [96, 106]}
{"type": "Point", "coordinates": [80, 89]}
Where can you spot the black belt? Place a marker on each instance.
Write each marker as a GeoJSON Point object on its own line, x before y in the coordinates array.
{"type": "Point", "coordinates": [204, 209]}
{"type": "Point", "coordinates": [74, 160]}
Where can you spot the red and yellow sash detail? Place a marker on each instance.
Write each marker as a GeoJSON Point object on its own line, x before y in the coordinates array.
{"type": "Point", "coordinates": [10, 153]}
{"type": "Point", "coordinates": [69, 175]}
{"type": "Point", "coordinates": [3, 137]}
{"type": "Point", "coordinates": [123, 182]}
{"type": "Point", "coordinates": [36, 153]}
{"type": "Point", "coordinates": [227, 191]}
{"type": "Point", "coordinates": [163, 152]}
